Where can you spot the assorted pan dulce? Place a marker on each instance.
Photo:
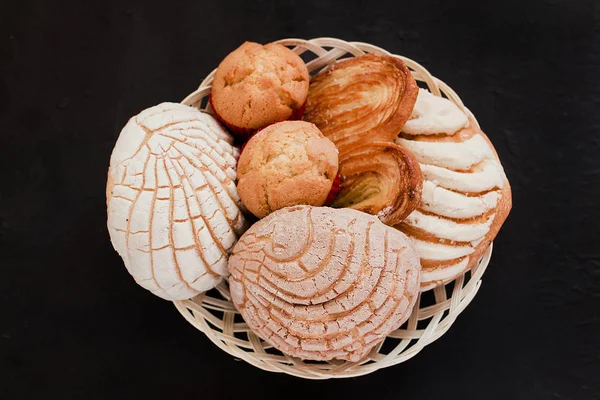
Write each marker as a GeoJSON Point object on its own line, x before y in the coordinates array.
{"type": "Point", "coordinates": [415, 188]}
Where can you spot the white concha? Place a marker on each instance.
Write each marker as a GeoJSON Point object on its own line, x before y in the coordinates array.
{"type": "Point", "coordinates": [465, 197]}
{"type": "Point", "coordinates": [173, 209]}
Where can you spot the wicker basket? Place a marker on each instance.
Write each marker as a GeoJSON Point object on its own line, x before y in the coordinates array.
{"type": "Point", "coordinates": [435, 310]}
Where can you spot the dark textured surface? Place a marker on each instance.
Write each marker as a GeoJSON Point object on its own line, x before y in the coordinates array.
{"type": "Point", "coordinates": [73, 325]}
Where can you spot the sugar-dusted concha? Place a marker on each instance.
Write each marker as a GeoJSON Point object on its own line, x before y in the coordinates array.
{"type": "Point", "coordinates": [173, 209]}
{"type": "Point", "coordinates": [320, 283]}
{"type": "Point", "coordinates": [466, 196]}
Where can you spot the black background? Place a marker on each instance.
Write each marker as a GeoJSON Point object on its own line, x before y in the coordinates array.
{"type": "Point", "coordinates": [73, 325]}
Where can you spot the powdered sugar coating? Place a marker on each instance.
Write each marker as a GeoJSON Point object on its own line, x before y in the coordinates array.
{"type": "Point", "coordinates": [321, 283]}
{"type": "Point", "coordinates": [173, 208]}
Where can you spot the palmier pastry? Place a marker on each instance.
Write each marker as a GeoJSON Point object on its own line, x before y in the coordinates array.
{"type": "Point", "coordinates": [173, 208]}
{"type": "Point", "coordinates": [286, 164]}
{"type": "Point", "coordinates": [361, 99]}
{"type": "Point", "coordinates": [321, 283]}
{"type": "Point", "coordinates": [466, 196]}
{"type": "Point", "coordinates": [380, 178]}
{"type": "Point", "coordinates": [256, 85]}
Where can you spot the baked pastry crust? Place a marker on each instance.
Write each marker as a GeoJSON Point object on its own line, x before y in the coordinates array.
{"type": "Point", "coordinates": [466, 196]}
{"type": "Point", "coordinates": [286, 164]}
{"type": "Point", "coordinates": [321, 283]}
{"type": "Point", "coordinates": [256, 85]}
{"type": "Point", "coordinates": [173, 209]}
{"type": "Point", "coordinates": [382, 179]}
{"type": "Point", "coordinates": [361, 99]}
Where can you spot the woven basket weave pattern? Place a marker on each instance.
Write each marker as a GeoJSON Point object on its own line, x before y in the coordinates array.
{"type": "Point", "coordinates": [214, 314]}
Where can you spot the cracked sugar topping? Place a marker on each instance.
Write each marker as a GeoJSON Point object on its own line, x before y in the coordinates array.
{"type": "Point", "coordinates": [173, 208]}
{"type": "Point", "coordinates": [321, 283]}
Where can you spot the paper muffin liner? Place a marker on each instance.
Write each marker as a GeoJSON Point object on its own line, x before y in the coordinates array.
{"type": "Point", "coordinates": [242, 134]}
{"type": "Point", "coordinates": [335, 189]}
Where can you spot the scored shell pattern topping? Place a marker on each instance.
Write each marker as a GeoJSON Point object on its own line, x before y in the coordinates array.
{"type": "Point", "coordinates": [462, 187]}
{"type": "Point", "coordinates": [173, 209]}
{"type": "Point", "coordinates": [321, 283]}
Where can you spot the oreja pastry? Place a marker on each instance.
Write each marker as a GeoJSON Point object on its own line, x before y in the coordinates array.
{"type": "Point", "coordinates": [321, 283]}
{"type": "Point", "coordinates": [382, 179]}
{"type": "Point", "coordinates": [173, 208]}
{"type": "Point", "coordinates": [256, 85]}
{"type": "Point", "coordinates": [466, 196]}
{"type": "Point", "coordinates": [286, 164]}
{"type": "Point", "coordinates": [361, 99]}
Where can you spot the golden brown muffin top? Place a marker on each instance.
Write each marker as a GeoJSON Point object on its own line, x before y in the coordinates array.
{"type": "Point", "coordinates": [286, 164]}
{"type": "Point", "coordinates": [257, 85]}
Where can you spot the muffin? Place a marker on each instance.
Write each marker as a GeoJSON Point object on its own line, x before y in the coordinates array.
{"type": "Point", "coordinates": [286, 164]}
{"type": "Point", "coordinates": [257, 85]}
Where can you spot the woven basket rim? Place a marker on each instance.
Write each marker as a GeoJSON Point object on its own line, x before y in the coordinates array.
{"type": "Point", "coordinates": [214, 314]}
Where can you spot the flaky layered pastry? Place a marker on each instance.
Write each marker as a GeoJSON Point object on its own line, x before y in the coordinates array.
{"type": "Point", "coordinates": [466, 196]}
{"type": "Point", "coordinates": [361, 99]}
{"type": "Point", "coordinates": [321, 283]}
{"type": "Point", "coordinates": [173, 208]}
{"type": "Point", "coordinates": [382, 179]}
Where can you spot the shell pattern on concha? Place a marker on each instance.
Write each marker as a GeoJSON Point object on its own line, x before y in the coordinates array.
{"type": "Point", "coordinates": [321, 283]}
{"type": "Point", "coordinates": [173, 209]}
{"type": "Point", "coordinates": [462, 188]}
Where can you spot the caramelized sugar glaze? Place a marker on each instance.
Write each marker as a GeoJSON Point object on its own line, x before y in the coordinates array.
{"type": "Point", "coordinates": [361, 104]}
{"type": "Point", "coordinates": [380, 178]}
{"type": "Point", "coordinates": [362, 99]}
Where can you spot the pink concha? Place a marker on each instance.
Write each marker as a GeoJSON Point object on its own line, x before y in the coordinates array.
{"type": "Point", "coordinates": [320, 283]}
